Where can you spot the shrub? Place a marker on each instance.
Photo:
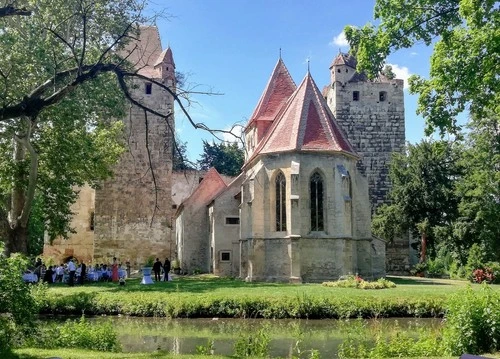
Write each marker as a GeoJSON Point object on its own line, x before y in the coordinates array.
{"type": "Point", "coordinates": [418, 268]}
{"type": "Point", "coordinates": [473, 322]}
{"type": "Point", "coordinates": [475, 260]}
{"type": "Point", "coordinates": [78, 334]}
{"type": "Point", "coordinates": [18, 307]}
{"type": "Point", "coordinates": [358, 282]}
{"type": "Point", "coordinates": [495, 268]}
{"type": "Point", "coordinates": [395, 345]}
{"type": "Point", "coordinates": [483, 275]}
{"type": "Point", "coordinates": [254, 345]}
{"type": "Point", "coordinates": [436, 268]}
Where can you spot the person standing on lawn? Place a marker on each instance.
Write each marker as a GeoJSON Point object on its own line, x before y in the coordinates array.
{"type": "Point", "coordinates": [114, 271]}
{"type": "Point", "coordinates": [157, 269]}
{"type": "Point", "coordinates": [72, 271]}
{"type": "Point", "coordinates": [166, 269]}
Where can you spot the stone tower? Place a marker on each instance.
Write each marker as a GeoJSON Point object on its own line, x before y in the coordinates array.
{"type": "Point", "coordinates": [371, 113]}
{"type": "Point", "coordinates": [133, 209]}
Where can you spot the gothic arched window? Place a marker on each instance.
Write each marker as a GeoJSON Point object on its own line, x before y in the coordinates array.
{"type": "Point", "coordinates": [316, 193]}
{"type": "Point", "coordinates": [280, 202]}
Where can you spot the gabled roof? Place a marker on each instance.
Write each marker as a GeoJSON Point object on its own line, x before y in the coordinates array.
{"type": "Point", "coordinates": [305, 124]}
{"type": "Point", "coordinates": [209, 188]}
{"type": "Point", "coordinates": [165, 57]}
{"type": "Point", "coordinates": [279, 88]}
{"type": "Point", "coordinates": [344, 59]}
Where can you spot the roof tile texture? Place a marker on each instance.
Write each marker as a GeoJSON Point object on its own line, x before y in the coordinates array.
{"type": "Point", "coordinates": [279, 88]}
{"type": "Point", "coordinates": [305, 124]}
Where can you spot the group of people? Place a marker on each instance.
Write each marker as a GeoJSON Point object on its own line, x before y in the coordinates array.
{"type": "Point", "coordinates": [74, 272]}
{"type": "Point", "coordinates": [157, 268]}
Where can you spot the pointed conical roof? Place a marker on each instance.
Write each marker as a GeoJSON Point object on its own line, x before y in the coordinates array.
{"type": "Point", "coordinates": [166, 57]}
{"type": "Point", "coordinates": [305, 124]}
{"type": "Point", "coordinates": [344, 59]}
{"type": "Point", "coordinates": [279, 88]}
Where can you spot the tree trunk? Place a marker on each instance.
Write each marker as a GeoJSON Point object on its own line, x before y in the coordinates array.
{"type": "Point", "coordinates": [423, 247]}
{"type": "Point", "coordinates": [16, 240]}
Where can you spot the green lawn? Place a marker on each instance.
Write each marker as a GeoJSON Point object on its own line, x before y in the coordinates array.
{"type": "Point", "coordinates": [209, 296]}
{"type": "Point", "coordinates": [407, 287]}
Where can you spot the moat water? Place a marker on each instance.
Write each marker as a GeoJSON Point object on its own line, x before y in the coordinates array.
{"type": "Point", "coordinates": [287, 337]}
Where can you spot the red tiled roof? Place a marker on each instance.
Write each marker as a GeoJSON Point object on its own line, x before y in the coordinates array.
{"type": "Point", "coordinates": [279, 88]}
{"type": "Point", "coordinates": [305, 124]}
{"type": "Point", "coordinates": [209, 188]}
{"type": "Point", "coordinates": [344, 59]}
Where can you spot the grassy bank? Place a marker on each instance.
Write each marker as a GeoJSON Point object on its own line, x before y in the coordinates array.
{"type": "Point", "coordinates": [207, 296]}
{"type": "Point", "coordinates": [87, 354]}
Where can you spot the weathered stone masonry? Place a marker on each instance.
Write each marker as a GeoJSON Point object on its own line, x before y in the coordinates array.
{"type": "Point", "coordinates": [371, 113]}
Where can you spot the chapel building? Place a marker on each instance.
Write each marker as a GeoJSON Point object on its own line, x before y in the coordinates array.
{"type": "Point", "coordinates": [304, 211]}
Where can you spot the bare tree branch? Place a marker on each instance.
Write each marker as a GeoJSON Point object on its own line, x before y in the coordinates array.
{"type": "Point", "coordinates": [10, 10]}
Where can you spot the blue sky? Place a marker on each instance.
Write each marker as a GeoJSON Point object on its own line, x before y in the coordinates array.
{"type": "Point", "coordinates": [231, 47]}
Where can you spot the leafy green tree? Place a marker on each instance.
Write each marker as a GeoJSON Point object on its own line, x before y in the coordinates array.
{"type": "Point", "coordinates": [422, 197]}
{"type": "Point", "coordinates": [227, 158]}
{"type": "Point", "coordinates": [180, 160]}
{"type": "Point", "coordinates": [479, 190]}
{"type": "Point", "coordinates": [63, 77]}
{"type": "Point", "coordinates": [464, 65]}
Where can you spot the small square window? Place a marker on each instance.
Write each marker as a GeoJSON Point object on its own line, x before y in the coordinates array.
{"type": "Point", "coordinates": [355, 95]}
{"type": "Point", "coordinates": [174, 206]}
{"type": "Point", "coordinates": [382, 96]}
{"type": "Point", "coordinates": [149, 88]}
{"type": "Point", "coordinates": [233, 220]}
{"type": "Point", "coordinates": [225, 256]}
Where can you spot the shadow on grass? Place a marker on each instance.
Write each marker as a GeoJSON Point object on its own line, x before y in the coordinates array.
{"type": "Point", "coordinates": [415, 281]}
{"type": "Point", "coordinates": [10, 355]}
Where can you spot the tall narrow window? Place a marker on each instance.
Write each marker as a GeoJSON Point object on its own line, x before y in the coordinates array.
{"type": "Point", "coordinates": [355, 95]}
{"type": "Point", "coordinates": [280, 202]}
{"type": "Point", "coordinates": [316, 192]}
{"type": "Point", "coordinates": [149, 88]}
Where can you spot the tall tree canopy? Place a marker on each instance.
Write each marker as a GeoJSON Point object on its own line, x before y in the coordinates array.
{"type": "Point", "coordinates": [227, 158]}
{"type": "Point", "coordinates": [64, 75]}
{"type": "Point", "coordinates": [479, 190]}
{"type": "Point", "coordinates": [423, 199]}
{"type": "Point", "coordinates": [464, 65]}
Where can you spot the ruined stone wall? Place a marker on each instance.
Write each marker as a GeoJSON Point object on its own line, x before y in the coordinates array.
{"type": "Point", "coordinates": [376, 129]}
{"type": "Point", "coordinates": [133, 210]}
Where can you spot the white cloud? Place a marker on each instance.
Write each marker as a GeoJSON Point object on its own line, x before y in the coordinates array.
{"type": "Point", "coordinates": [339, 40]}
{"type": "Point", "coordinates": [401, 72]}
{"type": "Point", "coordinates": [413, 53]}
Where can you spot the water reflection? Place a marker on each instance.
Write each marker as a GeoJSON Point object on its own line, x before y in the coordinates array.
{"type": "Point", "coordinates": [288, 337]}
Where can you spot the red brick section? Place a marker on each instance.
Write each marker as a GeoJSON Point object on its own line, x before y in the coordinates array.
{"type": "Point", "coordinates": [209, 188]}
{"type": "Point", "coordinates": [279, 88]}
{"type": "Point", "coordinates": [305, 124]}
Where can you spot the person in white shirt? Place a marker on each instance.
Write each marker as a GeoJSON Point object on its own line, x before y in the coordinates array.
{"type": "Point", "coordinates": [72, 271]}
{"type": "Point", "coordinates": [59, 273]}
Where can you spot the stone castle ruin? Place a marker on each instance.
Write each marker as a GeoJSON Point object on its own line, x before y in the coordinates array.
{"type": "Point", "coordinates": [133, 215]}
